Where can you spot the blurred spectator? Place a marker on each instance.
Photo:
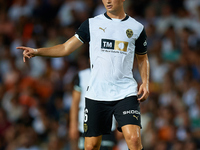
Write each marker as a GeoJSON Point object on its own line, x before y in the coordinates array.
{"type": "Point", "coordinates": [69, 9]}
{"type": "Point", "coordinates": [166, 19]}
{"type": "Point", "coordinates": [18, 9]}
{"type": "Point", "coordinates": [6, 25]}
{"type": "Point", "coordinates": [99, 9]}
{"type": "Point", "coordinates": [13, 107]}
{"type": "Point", "coordinates": [4, 123]}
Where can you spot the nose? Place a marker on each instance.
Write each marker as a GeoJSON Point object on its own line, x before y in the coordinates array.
{"type": "Point", "coordinates": [108, 1]}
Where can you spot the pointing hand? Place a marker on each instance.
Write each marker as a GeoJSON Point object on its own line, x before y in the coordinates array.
{"type": "Point", "coordinates": [28, 52]}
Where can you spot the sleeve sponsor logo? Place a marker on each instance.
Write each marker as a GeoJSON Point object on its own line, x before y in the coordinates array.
{"type": "Point", "coordinates": [114, 45]}
{"type": "Point", "coordinates": [145, 43]}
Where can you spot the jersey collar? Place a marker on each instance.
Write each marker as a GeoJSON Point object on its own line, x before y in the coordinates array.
{"type": "Point", "coordinates": [127, 16]}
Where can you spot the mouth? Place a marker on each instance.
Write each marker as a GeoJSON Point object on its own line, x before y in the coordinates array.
{"type": "Point", "coordinates": [109, 6]}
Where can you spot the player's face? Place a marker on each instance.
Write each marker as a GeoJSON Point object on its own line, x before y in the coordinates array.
{"type": "Point", "coordinates": [113, 5]}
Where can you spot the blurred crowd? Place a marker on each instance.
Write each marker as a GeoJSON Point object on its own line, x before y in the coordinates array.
{"type": "Point", "coordinates": [35, 97]}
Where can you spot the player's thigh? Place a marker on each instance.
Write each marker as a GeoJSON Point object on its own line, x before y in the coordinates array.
{"type": "Point", "coordinates": [132, 134]}
{"type": "Point", "coordinates": [131, 131]}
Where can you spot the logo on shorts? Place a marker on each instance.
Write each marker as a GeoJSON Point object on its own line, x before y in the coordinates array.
{"type": "Point", "coordinates": [131, 112]}
{"type": "Point", "coordinates": [136, 116]}
{"type": "Point", "coordinates": [85, 127]}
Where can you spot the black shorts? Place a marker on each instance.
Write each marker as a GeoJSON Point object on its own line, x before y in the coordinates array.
{"type": "Point", "coordinates": [98, 115]}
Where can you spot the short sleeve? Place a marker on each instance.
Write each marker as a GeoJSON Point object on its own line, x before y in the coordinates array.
{"type": "Point", "coordinates": [83, 32]}
{"type": "Point", "coordinates": [141, 43]}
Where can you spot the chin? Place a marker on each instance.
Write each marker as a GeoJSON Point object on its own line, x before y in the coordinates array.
{"type": "Point", "coordinates": [110, 11]}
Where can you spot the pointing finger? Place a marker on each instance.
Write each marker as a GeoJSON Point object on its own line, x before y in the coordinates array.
{"type": "Point", "coordinates": [21, 47]}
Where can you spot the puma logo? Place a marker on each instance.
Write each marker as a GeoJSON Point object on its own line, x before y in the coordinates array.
{"type": "Point", "coordinates": [136, 117]}
{"type": "Point", "coordinates": [102, 29]}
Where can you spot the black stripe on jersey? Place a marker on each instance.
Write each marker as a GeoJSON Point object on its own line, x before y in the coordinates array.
{"type": "Point", "coordinates": [105, 14]}
{"type": "Point", "coordinates": [141, 44]}
{"type": "Point", "coordinates": [84, 32]}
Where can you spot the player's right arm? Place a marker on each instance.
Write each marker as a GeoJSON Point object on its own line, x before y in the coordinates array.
{"type": "Point", "coordinates": [56, 51]}
{"type": "Point", "coordinates": [82, 35]}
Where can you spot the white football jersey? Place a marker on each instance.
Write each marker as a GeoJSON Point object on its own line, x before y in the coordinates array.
{"type": "Point", "coordinates": [113, 44]}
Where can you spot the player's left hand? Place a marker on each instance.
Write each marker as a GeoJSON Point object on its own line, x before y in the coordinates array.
{"type": "Point", "coordinates": [143, 92]}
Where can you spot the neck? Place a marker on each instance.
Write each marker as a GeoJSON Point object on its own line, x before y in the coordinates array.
{"type": "Point", "coordinates": [117, 15]}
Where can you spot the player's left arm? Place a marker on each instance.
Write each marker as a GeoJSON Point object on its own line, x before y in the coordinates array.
{"type": "Point", "coordinates": [143, 65]}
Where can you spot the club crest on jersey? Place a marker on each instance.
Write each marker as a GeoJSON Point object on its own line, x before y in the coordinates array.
{"type": "Point", "coordinates": [129, 33]}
